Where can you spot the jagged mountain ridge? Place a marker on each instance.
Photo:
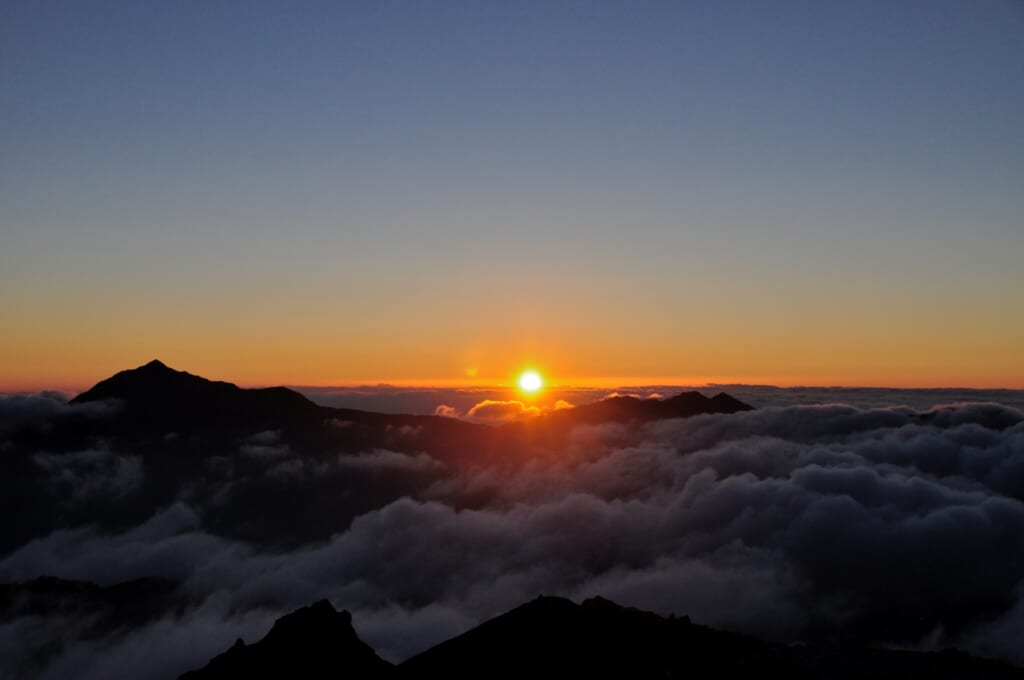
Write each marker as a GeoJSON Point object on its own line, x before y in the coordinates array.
{"type": "Point", "coordinates": [546, 637]}
{"type": "Point", "coordinates": [555, 637]}
{"type": "Point", "coordinates": [313, 642]}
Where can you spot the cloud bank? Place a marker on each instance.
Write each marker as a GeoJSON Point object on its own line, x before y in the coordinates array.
{"type": "Point", "coordinates": [492, 411]}
{"type": "Point", "coordinates": [885, 525]}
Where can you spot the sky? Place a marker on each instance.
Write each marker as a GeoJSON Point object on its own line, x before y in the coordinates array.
{"type": "Point", "coordinates": [793, 193]}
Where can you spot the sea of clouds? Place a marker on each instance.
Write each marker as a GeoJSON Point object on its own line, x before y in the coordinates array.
{"type": "Point", "coordinates": [894, 525]}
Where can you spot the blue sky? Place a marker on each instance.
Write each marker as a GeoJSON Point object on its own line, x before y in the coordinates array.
{"type": "Point", "coordinates": [596, 169]}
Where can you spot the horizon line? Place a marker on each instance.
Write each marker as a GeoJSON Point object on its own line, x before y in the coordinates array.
{"type": "Point", "coordinates": [592, 383]}
{"type": "Point", "coordinates": [508, 382]}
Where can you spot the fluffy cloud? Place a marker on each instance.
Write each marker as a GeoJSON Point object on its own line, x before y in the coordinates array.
{"type": "Point", "coordinates": [492, 411]}
{"type": "Point", "coordinates": [40, 411]}
{"type": "Point", "coordinates": [382, 460]}
{"type": "Point", "coordinates": [91, 474]}
{"type": "Point", "coordinates": [496, 412]}
{"type": "Point", "coordinates": [266, 445]}
{"type": "Point", "coordinates": [888, 525]}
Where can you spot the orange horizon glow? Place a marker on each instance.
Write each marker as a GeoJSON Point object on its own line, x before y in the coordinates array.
{"type": "Point", "coordinates": [595, 338]}
{"type": "Point", "coordinates": [621, 382]}
{"type": "Point", "coordinates": [474, 383]}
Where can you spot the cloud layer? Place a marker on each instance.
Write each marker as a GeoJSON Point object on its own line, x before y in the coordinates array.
{"type": "Point", "coordinates": [886, 525]}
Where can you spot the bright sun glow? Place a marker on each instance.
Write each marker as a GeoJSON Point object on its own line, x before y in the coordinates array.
{"type": "Point", "coordinates": [530, 381]}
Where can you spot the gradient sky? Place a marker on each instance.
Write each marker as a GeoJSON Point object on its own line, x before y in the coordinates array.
{"type": "Point", "coordinates": [769, 192]}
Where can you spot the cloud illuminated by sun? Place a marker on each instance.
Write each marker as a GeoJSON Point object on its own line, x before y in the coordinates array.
{"type": "Point", "coordinates": [530, 382]}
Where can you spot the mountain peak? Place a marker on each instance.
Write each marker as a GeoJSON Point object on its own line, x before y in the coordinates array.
{"type": "Point", "coordinates": [155, 364]}
{"type": "Point", "coordinates": [148, 381]}
{"type": "Point", "coordinates": [729, 403]}
{"type": "Point", "coordinates": [316, 615]}
{"type": "Point", "coordinates": [313, 642]}
{"type": "Point", "coordinates": [155, 394]}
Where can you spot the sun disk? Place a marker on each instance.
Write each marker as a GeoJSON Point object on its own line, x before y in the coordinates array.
{"type": "Point", "coordinates": [530, 381]}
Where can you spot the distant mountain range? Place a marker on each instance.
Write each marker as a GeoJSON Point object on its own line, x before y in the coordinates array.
{"type": "Point", "coordinates": [552, 637]}
{"type": "Point", "coordinates": [156, 395]}
{"type": "Point", "coordinates": [182, 433]}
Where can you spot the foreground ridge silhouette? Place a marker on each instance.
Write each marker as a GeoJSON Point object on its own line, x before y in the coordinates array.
{"type": "Point", "coordinates": [313, 642]}
{"type": "Point", "coordinates": [555, 637]}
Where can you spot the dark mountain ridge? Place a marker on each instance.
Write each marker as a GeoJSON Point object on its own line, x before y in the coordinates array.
{"type": "Point", "coordinates": [155, 395]}
{"type": "Point", "coordinates": [555, 637]}
{"type": "Point", "coordinates": [625, 409]}
{"type": "Point", "coordinates": [313, 642]}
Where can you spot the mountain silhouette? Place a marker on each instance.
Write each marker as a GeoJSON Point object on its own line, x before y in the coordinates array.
{"type": "Point", "coordinates": [274, 449]}
{"type": "Point", "coordinates": [555, 637]}
{"type": "Point", "coordinates": [155, 394]}
{"type": "Point", "coordinates": [314, 642]}
{"type": "Point", "coordinates": [626, 409]}
{"type": "Point", "coordinates": [156, 397]}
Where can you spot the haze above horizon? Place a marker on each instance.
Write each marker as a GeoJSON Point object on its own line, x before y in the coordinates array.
{"type": "Point", "coordinates": [788, 194]}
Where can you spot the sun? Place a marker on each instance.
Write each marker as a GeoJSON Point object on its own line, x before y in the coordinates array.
{"type": "Point", "coordinates": [530, 382]}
